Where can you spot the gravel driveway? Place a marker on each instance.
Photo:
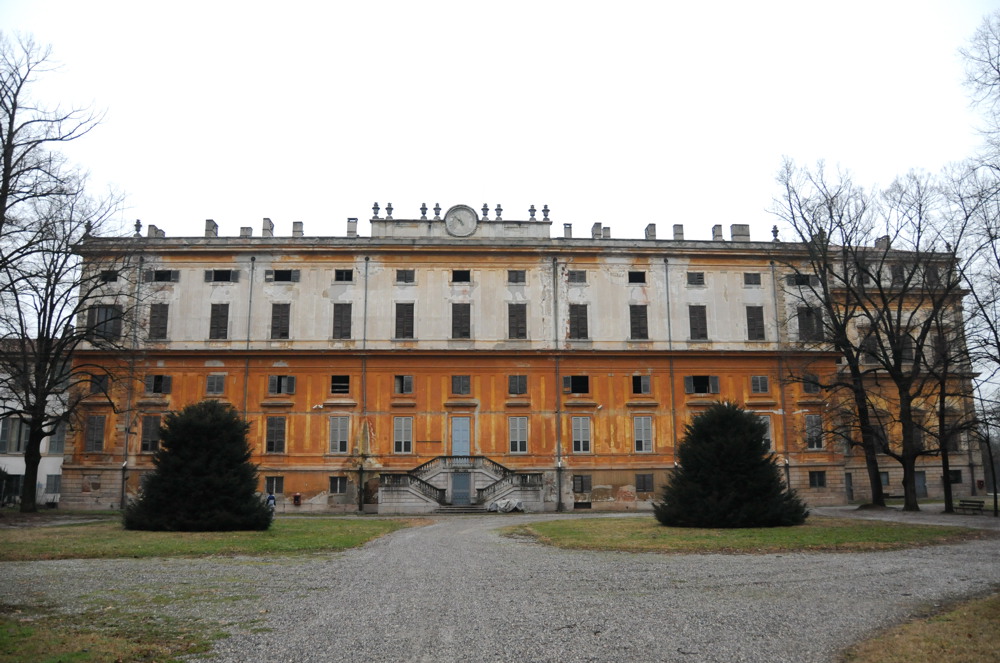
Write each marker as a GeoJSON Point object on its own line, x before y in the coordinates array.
{"type": "Point", "coordinates": [457, 591]}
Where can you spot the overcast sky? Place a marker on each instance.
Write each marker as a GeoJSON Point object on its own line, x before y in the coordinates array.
{"type": "Point", "coordinates": [623, 113]}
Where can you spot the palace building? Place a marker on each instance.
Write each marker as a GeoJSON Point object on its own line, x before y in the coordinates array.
{"type": "Point", "coordinates": [458, 359]}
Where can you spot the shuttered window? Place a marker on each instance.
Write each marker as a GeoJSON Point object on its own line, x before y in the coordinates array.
{"type": "Point", "coordinates": [94, 433]}
{"type": "Point", "coordinates": [158, 321]}
{"type": "Point", "coordinates": [755, 323]}
{"type": "Point", "coordinates": [341, 320]}
{"type": "Point", "coordinates": [280, 384]}
{"type": "Point", "coordinates": [517, 321]}
{"type": "Point", "coordinates": [275, 436]}
{"type": "Point", "coordinates": [578, 321]}
{"type": "Point", "coordinates": [404, 320]}
{"type": "Point", "coordinates": [698, 318]}
{"type": "Point", "coordinates": [218, 322]}
{"type": "Point", "coordinates": [150, 433]}
{"type": "Point", "coordinates": [642, 428]}
{"type": "Point", "coordinates": [581, 434]}
{"type": "Point", "coordinates": [461, 320]}
{"type": "Point", "coordinates": [339, 434]}
{"type": "Point", "coordinates": [638, 328]}
{"type": "Point", "coordinates": [158, 384]}
{"type": "Point", "coordinates": [517, 430]}
{"type": "Point", "coordinates": [280, 320]}
{"type": "Point", "coordinates": [402, 435]}
{"type": "Point", "coordinates": [701, 384]}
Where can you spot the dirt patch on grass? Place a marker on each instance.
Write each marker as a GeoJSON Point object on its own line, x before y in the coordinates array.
{"type": "Point", "coordinates": [52, 518]}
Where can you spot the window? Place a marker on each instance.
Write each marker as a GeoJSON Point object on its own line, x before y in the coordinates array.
{"type": "Point", "coordinates": [517, 321]}
{"type": "Point", "coordinates": [637, 277]}
{"type": "Point", "coordinates": [751, 278]}
{"type": "Point", "coordinates": [158, 384]}
{"type": "Point", "coordinates": [517, 385]}
{"type": "Point", "coordinates": [340, 384]}
{"type": "Point", "coordinates": [817, 479]}
{"type": "Point", "coordinates": [150, 433]}
{"type": "Point", "coordinates": [158, 321]}
{"type": "Point", "coordinates": [57, 441]}
{"type": "Point", "coordinates": [696, 278]}
{"type": "Point", "coordinates": [109, 276]}
{"type": "Point", "coordinates": [281, 275]}
{"type": "Point", "coordinates": [581, 435]}
{"type": "Point", "coordinates": [517, 432]}
{"type": "Point", "coordinates": [954, 476]}
{"type": "Point", "coordinates": [461, 276]}
{"type": "Point", "coordinates": [215, 385]}
{"type": "Point", "coordinates": [755, 323]}
{"type": "Point", "coordinates": [405, 276]}
{"type": "Point", "coordinates": [516, 276]}
{"type": "Point", "coordinates": [98, 384]}
{"type": "Point", "coordinates": [222, 276]}
{"type": "Point", "coordinates": [578, 321]}
{"type": "Point", "coordinates": [280, 384]}
{"type": "Point", "coordinates": [810, 384]}
{"type": "Point", "coordinates": [701, 384]}
{"type": "Point", "coordinates": [814, 431]}
{"type": "Point", "coordinates": [341, 320]}
{"type": "Point", "coordinates": [13, 435]}
{"type": "Point", "coordinates": [104, 322]}
{"type": "Point", "coordinates": [576, 276]}
{"type": "Point", "coordinates": [576, 384]}
{"type": "Point", "coordinates": [759, 384]}
{"type": "Point", "coordinates": [698, 318]}
{"type": "Point", "coordinates": [643, 483]}
{"type": "Point", "coordinates": [404, 320]}
{"type": "Point", "coordinates": [339, 434]}
{"type": "Point", "coordinates": [218, 322]}
{"type": "Point", "coordinates": [800, 280]}
{"type": "Point", "coordinates": [338, 485]}
{"type": "Point", "coordinates": [810, 324]}
{"type": "Point", "coordinates": [343, 275]}
{"type": "Point", "coordinates": [641, 384]}
{"type": "Point", "coordinates": [884, 479]}
{"type": "Point", "coordinates": [280, 320]}
{"type": "Point", "coordinates": [461, 385]}
{"type": "Point", "coordinates": [53, 484]}
{"type": "Point", "coordinates": [275, 435]}
{"type": "Point", "coordinates": [931, 275]}
{"type": "Point", "coordinates": [638, 329]}
{"type": "Point", "coordinates": [461, 322]}
{"type": "Point", "coordinates": [161, 276]}
{"type": "Point", "coordinates": [642, 427]}
{"type": "Point", "coordinates": [766, 420]}
{"type": "Point", "coordinates": [581, 483]}
{"type": "Point", "coordinates": [906, 348]}
{"type": "Point", "coordinates": [274, 485]}
{"type": "Point", "coordinates": [403, 384]}
{"type": "Point", "coordinates": [402, 435]}
{"type": "Point", "coordinates": [93, 440]}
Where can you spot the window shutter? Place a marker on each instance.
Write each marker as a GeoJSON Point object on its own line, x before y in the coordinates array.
{"type": "Point", "coordinates": [235, 275]}
{"type": "Point", "coordinates": [209, 275]}
{"type": "Point", "coordinates": [713, 384]}
{"type": "Point", "coordinates": [688, 384]}
{"type": "Point", "coordinates": [295, 275]}
{"type": "Point", "coordinates": [4, 434]}
{"type": "Point", "coordinates": [268, 274]}
{"type": "Point", "coordinates": [149, 384]}
{"type": "Point", "coordinates": [290, 384]}
{"type": "Point", "coordinates": [167, 381]}
{"type": "Point", "coordinates": [91, 318]}
{"type": "Point", "coordinates": [272, 384]}
{"type": "Point", "coordinates": [147, 276]}
{"type": "Point", "coordinates": [175, 275]}
{"type": "Point", "coordinates": [567, 384]}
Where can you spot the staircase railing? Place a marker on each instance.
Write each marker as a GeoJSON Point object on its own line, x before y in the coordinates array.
{"type": "Point", "coordinates": [410, 481]}
{"type": "Point", "coordinates": [529, 480]}
{"type": "Point", "coordinates": [460, 463]}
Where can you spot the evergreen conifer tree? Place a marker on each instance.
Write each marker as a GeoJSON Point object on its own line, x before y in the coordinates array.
{"type": "Point", "coordinates": [203, 478]}
{"type": "Point", "coordinates": [727, 476]}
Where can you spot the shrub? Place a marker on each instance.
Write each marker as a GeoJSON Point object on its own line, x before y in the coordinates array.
{"type": "Point", "coordinates": [727, 477]}
{"type": "Point", "coordinates": [203, 478]}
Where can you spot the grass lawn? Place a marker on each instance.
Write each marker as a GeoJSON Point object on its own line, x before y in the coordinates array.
{"type": "Point", "coordinates": [818, 534]}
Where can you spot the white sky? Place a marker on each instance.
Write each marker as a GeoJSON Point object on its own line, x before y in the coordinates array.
{"type": "Point", "coordinates": [624, 113]}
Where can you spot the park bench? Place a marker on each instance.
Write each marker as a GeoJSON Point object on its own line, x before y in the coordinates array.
{"type": "Point", "coordinates": [972, 506]}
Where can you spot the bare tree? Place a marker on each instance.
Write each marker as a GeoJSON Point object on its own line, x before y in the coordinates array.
{"type": "Point", "coordinates": [878, 276]}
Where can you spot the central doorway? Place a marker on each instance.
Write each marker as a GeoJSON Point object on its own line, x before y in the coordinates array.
{"type": "Point", "coordinates": [461, 487]}
{"type": "Point", "coordinates": [461, 436]}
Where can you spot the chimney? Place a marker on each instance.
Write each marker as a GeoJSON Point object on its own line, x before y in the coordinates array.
{"type": "Point", "coordinates": [717, 233]}
{"type": "Point", "coordinates": [161, 233]}
{"type": "Point", "coordinates": [152, 231]}
{"type": "Point", "coordinates": [296, 229]}
{"type": "Point", "coordinates": [651, 231]}
{"type": "Point", "coordinates": [352, 226]}
{"type": "Point", "coordinates": [606, 232]}
{"type": "Point", "coordinates": [246, 231]}
{"type": "Point", "coordinates": [568, 230]}
{"type": "Point", "coordinates": [679, 232]}
{"type": "Point", "coordinates": [882, 243]}
{"type": "Point", "coordinates": [211, 228]}
{"type": "Point", "coordinates": [268, 229]}
{"type": "Point", "coordinates": [740, 232]}
{"type": "Point", "coordinates": [595, 231]}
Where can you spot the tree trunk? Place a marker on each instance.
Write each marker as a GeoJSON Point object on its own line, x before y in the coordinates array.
{"type": "Point", "coordinates": [868, 442]}
{"type": "Point", "coordinates": [32, 458]}
{"type": "Point", "coordinates": [909, 463]}
{"type": "Point", "coordinates": [949, 500]}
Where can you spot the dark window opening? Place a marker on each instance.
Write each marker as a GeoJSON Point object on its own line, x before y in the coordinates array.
{"type": "Point", "coordinates": [576, 384]}
{"type": "Point", "coordinates": [340, 384]}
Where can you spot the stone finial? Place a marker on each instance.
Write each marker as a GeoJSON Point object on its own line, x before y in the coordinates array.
{"type": "Point", "coordinates": [437, 211]}
{"type": "Point", "coordinates": [531, 212]}
{"type": "Point", "coordinates": [499, 212]}
{"type": "Point", "coordinates": [88, 228]}
{"type": "Point", "coordinates": [486, 211]}
{"type": "Point", "coordinates": [774, 232]}
{"type": "Point", "coordinates": [375, 209]}
{"type": "Point", "coordinates": [423, 211]}
{"type": "Point", "coordinates": [545, 212]}
{"type": "Point", "coordinates": [388, 211]}
{"type": "Point", "coordinates": [138, 228]}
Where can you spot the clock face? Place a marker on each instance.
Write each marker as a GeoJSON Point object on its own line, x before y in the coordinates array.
{"type": "Point", "coordinates": [461, 221]}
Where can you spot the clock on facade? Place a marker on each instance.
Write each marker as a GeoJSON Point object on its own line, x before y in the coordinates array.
{"type": "Point", "coordinates": [461, 221]}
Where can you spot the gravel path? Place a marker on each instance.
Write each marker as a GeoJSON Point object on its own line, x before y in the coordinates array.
{"type": "Point", "coordinates": [457, 591]}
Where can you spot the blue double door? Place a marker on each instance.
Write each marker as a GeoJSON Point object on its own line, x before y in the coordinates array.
{"type": "Point", "coordinates": [461, 445]}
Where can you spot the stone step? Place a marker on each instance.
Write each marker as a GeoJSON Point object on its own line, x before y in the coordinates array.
{"type": "Point", "coordinates": [461, 509]}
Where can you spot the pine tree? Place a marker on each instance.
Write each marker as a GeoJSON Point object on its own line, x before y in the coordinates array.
{"type": "Point", "coordinates": [727, 477]}
{"type": "Point", "coordinates": [203, 478]}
